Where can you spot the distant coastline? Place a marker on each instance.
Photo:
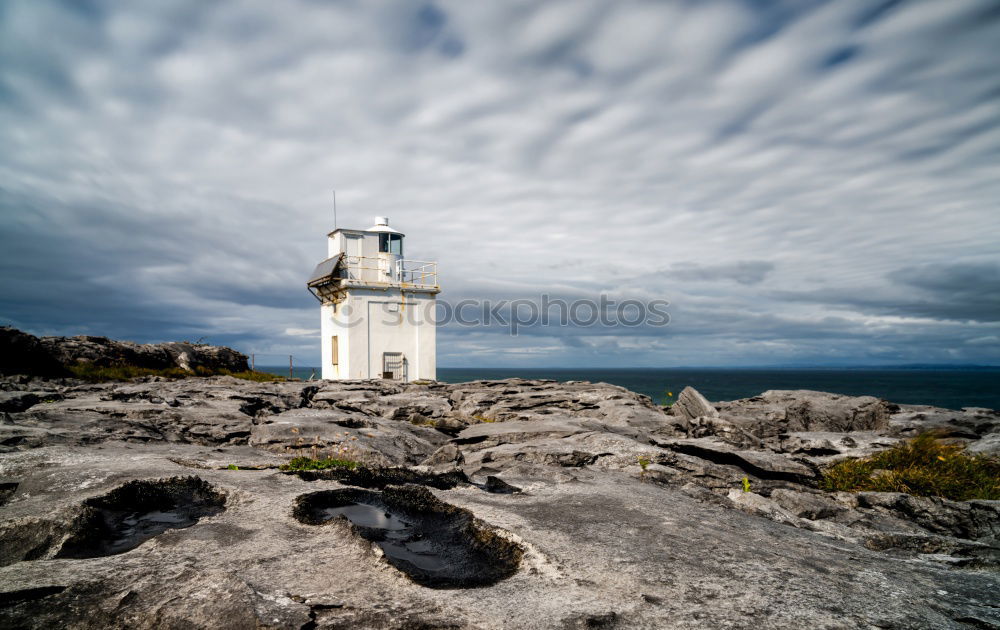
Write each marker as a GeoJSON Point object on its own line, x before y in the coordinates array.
{"type": "Point", "coordinates": [951, 387]}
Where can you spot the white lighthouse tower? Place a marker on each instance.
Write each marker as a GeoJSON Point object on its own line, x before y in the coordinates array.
{"type": "Point", "coordinates": [377, 307]}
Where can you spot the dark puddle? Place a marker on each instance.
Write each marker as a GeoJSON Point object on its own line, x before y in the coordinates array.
{"type": "Point", "coordinates": [397, 538]}
{"type": "Point", "coordinates": [133, 513]}
{"type": "Point", "coordinates": [434, 543]}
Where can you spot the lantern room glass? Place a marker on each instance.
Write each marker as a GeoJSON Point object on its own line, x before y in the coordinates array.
{"type": "Point", "coordinates": [390, 243]}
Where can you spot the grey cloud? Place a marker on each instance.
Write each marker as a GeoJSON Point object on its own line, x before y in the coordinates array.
{"type": "Point", "coordinates": [958, 291]}
{"type": "Point", "coordinates": [743, 272]}
{"type": "Point", "coordinates": [167, 169]}
{"type": "Point", "coordinates": [953, 279]}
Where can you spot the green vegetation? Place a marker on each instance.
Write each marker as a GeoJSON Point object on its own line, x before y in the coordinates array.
{"type": "Point", "coordinates": [644, 463]}
{"type": "Point", "coordinates": [746, 484]}
{"type": "Point", "coordinates": [250, 375]}
{"type": "Point", "coordinates": [96, 374]}
{"type": "Point", "coordinates": [483, 419]}
{"type": "Point", "coordinates": [309, 463]}
{"type": "Point", "coordinates": [232, 467]}
{"type": "Point", "coordinates": [668, 399]}
{"type": "Point", "coordinates": [924, 466]}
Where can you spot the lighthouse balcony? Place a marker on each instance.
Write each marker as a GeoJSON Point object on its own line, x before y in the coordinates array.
{"type": "Point", "coordinates": [418, 273]}
{"type": "Point", "coordinates": [340, 272]}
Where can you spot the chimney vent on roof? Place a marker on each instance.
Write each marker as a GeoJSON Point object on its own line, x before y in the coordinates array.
{"type": "Point", "coordinates": [381, 220]}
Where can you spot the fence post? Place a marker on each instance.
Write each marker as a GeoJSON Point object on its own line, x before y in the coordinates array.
{"type": "Point", "coordinates": [253, 362]}
{"type": "Point", "coordinates": [290, 375]}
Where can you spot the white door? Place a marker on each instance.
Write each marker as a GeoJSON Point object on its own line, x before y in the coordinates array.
{"type": "Point", "coordinates": [353, 250]}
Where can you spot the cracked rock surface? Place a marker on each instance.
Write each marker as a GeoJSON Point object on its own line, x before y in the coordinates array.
{"type": "Point", "coordinates": [623, 515]}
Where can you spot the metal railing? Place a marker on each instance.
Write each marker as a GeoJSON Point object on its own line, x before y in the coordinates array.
{"type": "Point", "coordinates": [363, 269]}
{"type": "Point", "coordinates": [417, 272]}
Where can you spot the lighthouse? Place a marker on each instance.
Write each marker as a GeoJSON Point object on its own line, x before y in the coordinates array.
{"type": "Point", "coordinates": [376, 307]}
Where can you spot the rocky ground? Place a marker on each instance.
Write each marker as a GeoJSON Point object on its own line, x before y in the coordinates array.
{"type": "Point", "coordinates": [534, 487]}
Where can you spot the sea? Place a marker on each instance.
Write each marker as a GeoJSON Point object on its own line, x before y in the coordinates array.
{"type": "Point", "coordinates": [949, 388]}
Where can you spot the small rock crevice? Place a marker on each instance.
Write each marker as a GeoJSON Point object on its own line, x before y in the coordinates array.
{"type": "Point", "coordinates": [379, 478]}
{"type": "Point", "coordinates": [7, 490]}
{"type": "Point", "coordinates": [12, 598]}
{"type": "Point", "coordinates": [734, 459]}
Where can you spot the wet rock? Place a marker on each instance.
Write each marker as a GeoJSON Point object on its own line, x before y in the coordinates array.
{"type": "Point", "coordinates": [596, 529]}
{"type": "Point", "coordinates": [435, 544]}
{"type": "Point", "coordinates": [137, 511]}
{"type": "Point", "coordinates": [115, 522]}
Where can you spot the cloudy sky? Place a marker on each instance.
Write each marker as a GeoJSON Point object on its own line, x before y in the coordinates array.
{"type": "Point", "coordinates": [805, 182]}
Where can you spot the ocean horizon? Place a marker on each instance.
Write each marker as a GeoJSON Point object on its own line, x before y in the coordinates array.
{"type": "Point", "coordinates": [951, 387]}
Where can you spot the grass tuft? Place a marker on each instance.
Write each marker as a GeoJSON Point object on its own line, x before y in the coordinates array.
{"type": "Point", "coordinates": [258, 377]}
{"type": "Point", "coordinates": [924, 467]}
{"type": "Point", "coordinates": [96, 374]}
{"type": "Point", "coordinates": [308, 463]}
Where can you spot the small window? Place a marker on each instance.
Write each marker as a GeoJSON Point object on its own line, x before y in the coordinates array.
{"type": "Point", "coordinates": [335, 350]}
{"type": "Point", "coordinates": [390, 243]}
